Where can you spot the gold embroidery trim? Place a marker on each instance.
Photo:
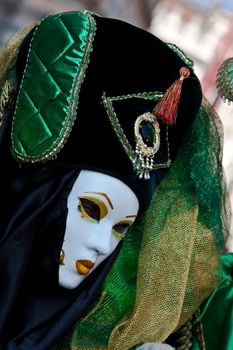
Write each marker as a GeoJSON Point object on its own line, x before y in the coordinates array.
{"type": "Point", "coordinates": [108, 104]}
{"type": "Point", "coordinates": [5, 98]}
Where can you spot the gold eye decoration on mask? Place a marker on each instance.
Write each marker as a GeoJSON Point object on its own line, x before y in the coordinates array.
{"type": "Point", "coordinates": [92, 208]}
{"type": "Point", "coordinates": [119, 230]}
{"type": "Point", "coordinates": [62, 257]}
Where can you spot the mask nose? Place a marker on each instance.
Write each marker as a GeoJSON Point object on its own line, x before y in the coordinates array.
{"type": "Point", "coordinates": [101, 241]}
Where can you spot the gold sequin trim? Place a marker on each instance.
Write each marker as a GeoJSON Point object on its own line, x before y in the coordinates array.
{"type": "Point", "coordinates": [5, 98]}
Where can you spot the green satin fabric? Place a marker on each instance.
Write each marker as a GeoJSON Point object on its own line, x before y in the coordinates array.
{"type": "Point", "coordinates": [49, 92]}
{"type": "Point", "coordinates": [218, 312]}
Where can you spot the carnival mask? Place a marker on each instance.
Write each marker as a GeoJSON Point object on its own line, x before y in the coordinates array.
{"type": "Point", "coordinates": [101, 208]}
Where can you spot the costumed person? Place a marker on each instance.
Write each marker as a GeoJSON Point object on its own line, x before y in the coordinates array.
{"type": "Point", "coordinates": [109, 236]}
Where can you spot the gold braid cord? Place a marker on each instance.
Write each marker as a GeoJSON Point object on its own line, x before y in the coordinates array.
{"type": "Point", "coordinates": [198, 330]}
{"type": "Point", "coordinates": [182, 339]}
{"type": "Point", "coordinates": [185, 337]}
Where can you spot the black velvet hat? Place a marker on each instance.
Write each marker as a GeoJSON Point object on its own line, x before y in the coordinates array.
{"type": "Point", "coordinates": [125, 75]}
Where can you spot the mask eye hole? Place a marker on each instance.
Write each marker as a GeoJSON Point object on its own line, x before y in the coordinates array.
{"type": "Point", "coordinates": [92, 208]}
{"type": "Point", "coordinates": [119, 230]}
{"type": "Point", "coordinates": [89, 209]}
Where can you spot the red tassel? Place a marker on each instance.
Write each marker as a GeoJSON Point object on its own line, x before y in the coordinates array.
{"type": "Point", "coordinates": [166, 109]}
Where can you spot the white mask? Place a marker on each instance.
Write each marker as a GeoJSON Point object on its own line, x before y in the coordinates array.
{"type": "Point", "coordinates": [100, 210]}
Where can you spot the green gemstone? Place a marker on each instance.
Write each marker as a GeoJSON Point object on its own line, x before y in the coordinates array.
{"type": "Point", "coordinates": [147, 131]}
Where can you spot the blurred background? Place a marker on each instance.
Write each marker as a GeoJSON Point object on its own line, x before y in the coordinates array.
{"type": "Point", "coordinates": [203, 29]}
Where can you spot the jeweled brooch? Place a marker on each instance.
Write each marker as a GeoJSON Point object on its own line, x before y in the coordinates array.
{"type": "Point", "coordinates": [147, 137]}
